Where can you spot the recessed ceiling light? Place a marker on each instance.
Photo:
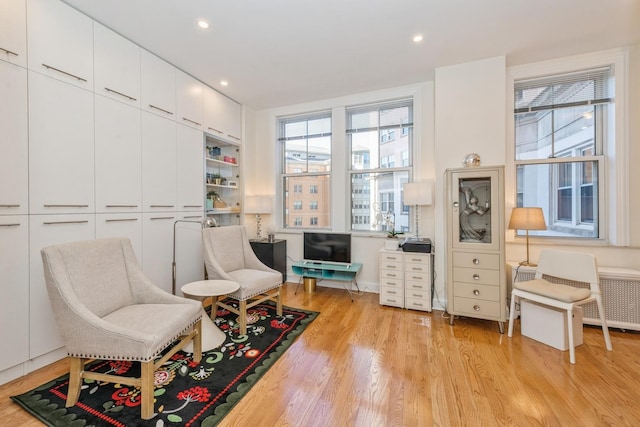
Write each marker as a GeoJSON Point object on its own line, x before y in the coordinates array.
{"type": "Point", "coordinates": [203, 24]}
{"type": "Point", "coordinates": [224, 83]}
{"type": "Point", "coordinates": [417, 38]}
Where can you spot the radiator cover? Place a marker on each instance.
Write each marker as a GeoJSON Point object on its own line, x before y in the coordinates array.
{"type": "Point", "coordinates": [620, 296]}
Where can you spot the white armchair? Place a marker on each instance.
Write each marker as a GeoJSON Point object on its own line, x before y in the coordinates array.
{"type": "Point", "coordinates": [229, 256]}
{"type": "Point", "coordinates": [106, 308]}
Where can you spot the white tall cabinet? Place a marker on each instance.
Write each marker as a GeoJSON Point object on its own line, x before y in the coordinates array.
{"type": "Point", "coordinates": [87, 154]}
{"type": "Point", "coordinates": [476, 269]}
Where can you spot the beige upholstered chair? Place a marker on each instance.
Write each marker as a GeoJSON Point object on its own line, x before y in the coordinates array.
{"type": "Point", "coordinates": [574, 267]}
{"type": "Point", "coordinates": [229, 256]}
{"type": "Point", "coordinates": [106, 308]}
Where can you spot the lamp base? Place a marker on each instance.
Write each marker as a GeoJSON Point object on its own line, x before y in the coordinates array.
{"type": "Point", "coordinates": [528, 264]}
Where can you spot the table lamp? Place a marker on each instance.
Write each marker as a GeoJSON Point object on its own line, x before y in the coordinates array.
{"type": "Point", "coordinates": [418, 194]}
{"type": "Point", "coordinates": [258, 205]}
{"type": "Point", "coordinates": [527, 219]}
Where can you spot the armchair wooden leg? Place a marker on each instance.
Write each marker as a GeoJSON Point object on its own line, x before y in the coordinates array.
{"type": "Point", "coordinates": [243, 317]}
{"type": "Point", "coordinates": [76, 366]}
{"type": "Point", "coordinates": [197, 342]}
{"type": "Point", "coordinates": [279, 302]}
{"type": "Point", "coordinates": [146, 388]}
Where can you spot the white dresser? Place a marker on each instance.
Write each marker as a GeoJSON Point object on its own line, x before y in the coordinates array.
{"type": "Point", "coordinates": [405, 279]}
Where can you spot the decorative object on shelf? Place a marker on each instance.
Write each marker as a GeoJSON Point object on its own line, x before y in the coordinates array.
{"type": "Point", "coordinates": [206, 222]}
{"type": "Point", "coordinates": [213, 152]}
{"type": "Point", "coordinates": [471, 160]}
{"type": "Point", "coordinates": [211, 197]}
{"type": "Point", "coordinates": [218, 203]}
{"type": "Point", "coordinates": [258, 205]}
{"type": "Point", "coordinates": [527, 219]}
{"type": "Point", "coordinates": [469, 232]}
{"type": "Point", "coordinates": [418, 194]}
{"type": "Point", "coordinates": [232, 183]}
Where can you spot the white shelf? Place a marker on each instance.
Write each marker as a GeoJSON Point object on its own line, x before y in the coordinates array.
{"type": "Point", "coordinates": [235, 187]}
{"type": "Point", "coordinates": [221, 162]}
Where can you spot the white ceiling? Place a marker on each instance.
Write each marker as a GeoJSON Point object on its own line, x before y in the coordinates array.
{"type": "Point", "coordinates": [281, 52]}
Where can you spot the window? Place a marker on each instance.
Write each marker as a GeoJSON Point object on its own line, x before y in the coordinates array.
{"type": "Point", "coordinates": [562, 125]}
{"type": "Point", "coordinates": [313, 205]}
{"type": "Point", "coordinates": [377, 135]}
{"type": "Point", "coordinates": [306, 163]}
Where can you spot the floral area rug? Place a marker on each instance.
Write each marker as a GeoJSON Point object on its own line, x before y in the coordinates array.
{"type": "Point", "coordinates": [186, 393]}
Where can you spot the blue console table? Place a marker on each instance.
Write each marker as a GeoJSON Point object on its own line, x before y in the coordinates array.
{"type": "Point", "coordinates": [329, 271]}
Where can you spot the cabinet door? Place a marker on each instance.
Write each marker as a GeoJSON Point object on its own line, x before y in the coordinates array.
{"type": "Point", "coordinates": [475, 209]}
{"type": "Point", "coordinates": [118, 157]}
{"type": "Point", "coordinates": [46, 230]}
{"type": "Point", "coordinates": [190, 169]}
{"type": "Point", "coordinates": [13, 35]}
{"type": "Point", "coordinates": [127, 225]}
{"type": "Point", "coordinates": [14, 142]}
{"type": "Point", "coordinates": [188, 246]}
{"type": "Point", "coordinates": [190, 100]}
{"type": "Point", "coordinates": [222, 116]}
{"type": "Point", "coordinates": [61, 147]}
{"type": "Point", "coordinates": [117, 66]}
{"type": "Point", "coordinates": [157, 248]}
{"type": "Point", "coordinates": [158, 85]}
{"type": "Point", "coordinates": [60, 42]}
{"type": "Point", "coordinates": [158, 163]}
{"type": "Point", "coordinates": [14, 289]}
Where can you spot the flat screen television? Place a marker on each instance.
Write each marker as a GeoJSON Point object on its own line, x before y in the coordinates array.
{"type": "Point", "coordinates": [327, 247]}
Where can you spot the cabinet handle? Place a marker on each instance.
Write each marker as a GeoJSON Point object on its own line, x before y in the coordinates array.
{"type": "Point", "coordinates": [476, 277]}
{"type": "Point", "coordinates": [160, 109]}
{"type": "Point", "coordinates": [192, 216]}
{"type": "Point", "coordinates": [130, 98]}
{"type": "Point", "coordinates": [476, 261]}
{"type": "Point", "coordinates": [120, 219]}
{"type": "Point", "coordinates": [10, 52]}
{"type": "Point", "coordinates": [10, 225]}
{"type": "Point", "coordinates": [233, 137]}
{"type": "Point", "coordinates": [161, 206]}
{"type": "Point", "coordinates": [191, 121]}
{"type": "Point", "coordinates": [476, 307]}
{"type": "Point", "coordinates": [66, 206]}
{"type": "Point", "coordinates": [120, 206]}
{"type": "Point", "coordinates": [49, 67]}
{"type": "Point", "coordinates": [9, 206]}
{"type": "Point", "coordinates": [162, 217]}
{"type": "Point", "coordinates": [192, 206]}
{"type": "Point", "coordinates": [215, 130]}
{"type": "Point", "coordinates": [476, 292]}
{"type": "Point", "coordinates": [65, 222]}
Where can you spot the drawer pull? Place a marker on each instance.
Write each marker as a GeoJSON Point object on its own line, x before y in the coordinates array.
{"type": "Point", "coordinates": [9, 52]}
{"type": "Point", "coordinates": [391, 266]}
{"type": "Point", "coordinates": [476, 276]}
{"type": "Point", "coordinates": [391, 300]}
{"type": "Point", "coordinates": [392, 292]}
{"type": "Point", "coordinates": [476, 261]}
{"type": "Point", "coordinates": [392, 258]}
{"type": "Point", "coordinates": [391, 284]}
{"type": "Point", "coordinates": [121, 206]}
{"type": "Point", "coordinates": [476, 292]}
{"type": "Point", "coordinates": [416, 268]}
{"type": "Point", "coordinates": [9, 206]}
{"type": "Point", "coordinates": [121, 220]}
{"type": "Point", "coordinates": [417, 296]}
{"type": "Point", "coordinates": [10, 225]}
{"type": "Point", "coordinates": [161, 217]}
{"type": "Point", "coordinates": [161, 206]}
{"type": "Point", "coordinates": [391, 275]}
{"type": "Point", "coordinates": [66, 206]}
{"type": "Point", "coordinates": [417, 286]}
{"type": "Point", "coordinates": [65, 222]}
{"type": "Point", "coordinates": [476, 307]}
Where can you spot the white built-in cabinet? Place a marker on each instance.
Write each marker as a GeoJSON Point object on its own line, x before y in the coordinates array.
{"type": "Point", "coordinates": [13, 37]}
{"type": "Point", "coordinates": [189, 100]}
{"type": "Point", "coordinates": [222, 116]}
{"type": "Point", "coordinates": [14, 289]}
{"type": "Point", "coordinates": [117, 66]}
{"type": "Point", "coordinates": [158, 163]}
{"type": "Point", "coordinates": [61, 147]}
{"type": "Point", "coordinates": [158, 84]}
{"type": "Point", "coordinates": [118, 156]}
{"type": "Point", "coordinates": [46, 230]}
{"type": "Point", "coordinates": [14, 143]}
{"type": "Point", "coordinates": [60, 41]}
{"type": "Point", "coordinates": [100, 138]}
{"type": "Point", "coordinates": [190, 164]}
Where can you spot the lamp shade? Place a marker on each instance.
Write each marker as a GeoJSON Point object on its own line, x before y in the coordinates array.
{"type": "Point", "coordinates": [527, 219]}
{"type": "Point", "coordinates": [418, 193]}
{"type": "Point", "coordinates": [258, 205]}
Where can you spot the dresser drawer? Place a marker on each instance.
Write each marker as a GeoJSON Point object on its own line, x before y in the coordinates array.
{"type": "Point", "coordinates": [474, 275]}
{"type": "Point", "coordinates": [422, 304]}
{"type": "Point", "coordinates": [391, 283]}
{"type": "Point", "coordinates": [392, 296]}
{"type": "Point", "coordinates": [476, 307]}
{"type": "Point", "coordinates": [416, 268]}
{"type": "Point", "coordinates": [390, 257]}
{"type": "Point", "coordinates": [391, 274]}
{"type": "Point", "coordinates": [476, 291]}
{"type": "Point", "coordinates": [475, 260]}
{"type": "Point", "coordinates": [390, 265]}
{"type": "Point", "coordinates": [416, 285]}
{"type": "Point", "coordinates": [416, 258]}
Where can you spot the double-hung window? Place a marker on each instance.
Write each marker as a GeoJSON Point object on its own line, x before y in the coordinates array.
{"type": "Point", "coordinates": [377, 135]}
{"type": "Point", "coordinates": [563, 124]}
{"type": "Point", "coordinates": [306, 169]}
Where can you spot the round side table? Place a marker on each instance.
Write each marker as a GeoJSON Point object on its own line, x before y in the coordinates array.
{"type": "Point", "coordinates": [212, 336]}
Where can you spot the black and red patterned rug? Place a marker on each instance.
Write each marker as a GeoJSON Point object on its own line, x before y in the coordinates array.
{"type": "Point", "coordinates": [186, 393]}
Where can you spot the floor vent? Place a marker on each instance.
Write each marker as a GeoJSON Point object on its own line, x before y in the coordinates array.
{"type": "Point", "coordinates": [620, 296]}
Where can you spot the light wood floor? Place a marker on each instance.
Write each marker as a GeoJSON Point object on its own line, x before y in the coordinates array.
{"type": "Point", "coordinates": [360, 364]}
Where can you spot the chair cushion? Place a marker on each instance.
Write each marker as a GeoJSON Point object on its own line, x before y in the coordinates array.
{"type": "Point", "coordinates": [556, 291]}
{"type": "Point", "coordinates": [254, 282]}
